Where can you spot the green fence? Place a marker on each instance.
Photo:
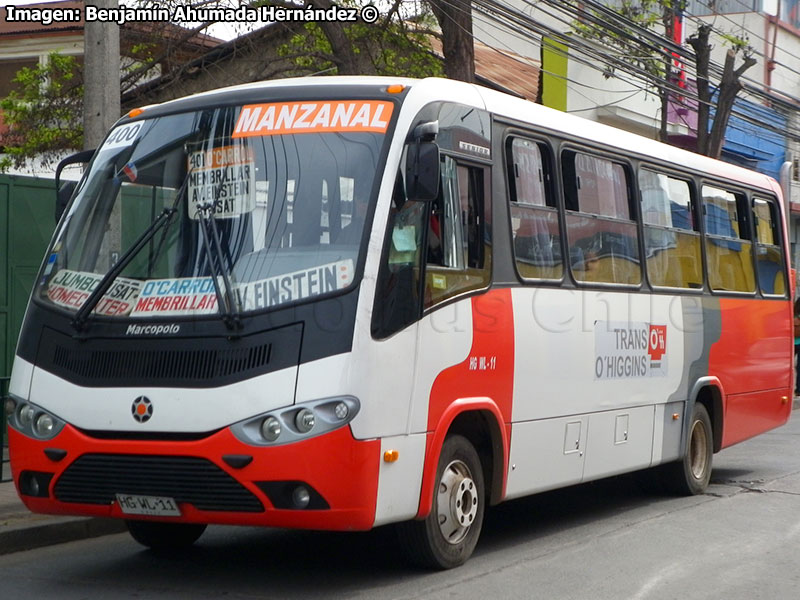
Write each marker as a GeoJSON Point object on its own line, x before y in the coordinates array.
{"type": "Point", "coordinates": [26, 223]}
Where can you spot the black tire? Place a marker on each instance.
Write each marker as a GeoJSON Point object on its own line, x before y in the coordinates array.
{"type": "Point", "coordinates": [690, 475]}
{"type": "Point", "coordinates": [165, 536]}
{"type": "Point", "coordinates": [447, 537]}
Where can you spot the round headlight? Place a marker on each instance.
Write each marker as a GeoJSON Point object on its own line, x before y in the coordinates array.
{"type": "Point", "coordinates": [341, 411]}
{"type": "Point", "coordinates": [10, 406]}
{"type": "Point", "coordinates": [270, 429]}
{"type": "Point", "coordinates": [304, 420]}
{"type": "Point", "coordinates": [44, 425]}
{"type": "Point", "coordinates": [25, 414]}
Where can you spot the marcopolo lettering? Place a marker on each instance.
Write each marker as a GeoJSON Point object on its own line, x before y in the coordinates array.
{"type": "Point", "coordinates": [169, 329]}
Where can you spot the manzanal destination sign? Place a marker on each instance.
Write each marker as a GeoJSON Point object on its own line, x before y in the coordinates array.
{"type": "Point", "coordinates": [629, 349]}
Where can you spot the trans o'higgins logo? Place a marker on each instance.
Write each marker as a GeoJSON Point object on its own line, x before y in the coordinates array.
{"type": "Point", "coordinates": [142, 409]}
{"type": "Point", "coordinates": [627, 349]}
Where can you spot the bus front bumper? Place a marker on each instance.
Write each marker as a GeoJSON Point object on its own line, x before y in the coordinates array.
{"type": "Point", "coordinates": [326, 482]}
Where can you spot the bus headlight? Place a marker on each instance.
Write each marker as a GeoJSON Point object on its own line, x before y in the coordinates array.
{"type": "Point", "coordinates": [271, 429]}
{"type": "Point", "coordinates": [43, 425]}
{"type": "Point", "coordinates": [10, 407]}
{"type": "Point", "coordinates": [298, 422]}
{"type": "Point", "coordinates": [33, 420]}
{"type": "Point", "coordinates": [25, 414]}
{"type": "Point", "coordinates": [304, 420]}
{"type": "Point", "coordinates": [341, 410]}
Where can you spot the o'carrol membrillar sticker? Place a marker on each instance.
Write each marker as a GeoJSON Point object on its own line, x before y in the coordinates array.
{"type": "Point", "coordinates": [626, 350]}
{"type": "Point", "coordinates": [296, 285]}
{"type": "Point", "coordinates": [72, 288]}
{"type": "Point", "coordinates": [170, 297]}
{"type": "Point", "coordinates": [224, 178]}
{"type": "Point", "coordinates": [313, 117]}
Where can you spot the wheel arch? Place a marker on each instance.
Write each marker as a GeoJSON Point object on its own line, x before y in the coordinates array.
{"type": "Point", "coordinates": [709, 392]}
{"type": "Point", "coordinates": [480, 421]}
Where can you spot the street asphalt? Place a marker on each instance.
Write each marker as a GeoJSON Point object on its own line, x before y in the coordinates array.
{"type": "Point", "coordinates": [21, 529]}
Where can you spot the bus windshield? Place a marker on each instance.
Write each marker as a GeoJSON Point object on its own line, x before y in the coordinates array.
{"type": "Point", "coordinates": [188, 214]}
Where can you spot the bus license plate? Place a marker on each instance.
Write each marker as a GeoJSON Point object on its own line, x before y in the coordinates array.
{"type": "Point", "coordinates": [154, 506]}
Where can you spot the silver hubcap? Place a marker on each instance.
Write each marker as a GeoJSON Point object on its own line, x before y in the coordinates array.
{"type": "Point", "coordinates": [456, 502]}
{"type": "Point", "coordinates": [698, 457]}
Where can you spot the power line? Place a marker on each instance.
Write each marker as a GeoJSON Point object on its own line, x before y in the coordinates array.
{"type": "Point", "coordinates": [522, 24]}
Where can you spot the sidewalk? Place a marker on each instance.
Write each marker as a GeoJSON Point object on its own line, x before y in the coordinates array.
{"type": "Point", "coordinates": [21, 529]}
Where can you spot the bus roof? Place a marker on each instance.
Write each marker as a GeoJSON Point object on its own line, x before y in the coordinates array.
{"type": "Point", "coordinates": [500, 104]}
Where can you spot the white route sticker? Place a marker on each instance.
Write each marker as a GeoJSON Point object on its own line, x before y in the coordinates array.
{"type": "Point", "coordinates": [72, 288]}
{"type": "Point", "coordinates": [224, 176]}
{"type": "Point", "coordinates": [297, 285]}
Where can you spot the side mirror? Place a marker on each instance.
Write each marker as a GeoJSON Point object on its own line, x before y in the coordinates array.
{"type": "Point", "coordinates": [64, 192]}
{"type": "Point", "coordinates": [422, 171]}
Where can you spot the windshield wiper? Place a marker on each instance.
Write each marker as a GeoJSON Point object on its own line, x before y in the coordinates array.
{"type": "Point", "coordinates": [231, 314]}
{"type": "Point", "coordinates": [105, 283]}
{"type": "Point", "coordinates": [164, 219]}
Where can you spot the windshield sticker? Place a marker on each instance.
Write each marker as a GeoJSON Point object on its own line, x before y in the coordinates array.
{"type": "Point", "coordinates": [313, 117]}
{"type": "Point", "coordinates": [625, 350]}
{"type": "Point", "coordinates": [166, 297]}
{"type": "Point", "coordinates": [296, 285]}
{"type": "Point", "coordinates": [72, 288]}
{"type": "Point", "coordinates": [224, 177]}
{"type": "Point", "coordinates": [122, 137]}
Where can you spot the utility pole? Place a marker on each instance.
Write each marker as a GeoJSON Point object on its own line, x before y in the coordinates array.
{"type": "Point", "coordinates": [101, 108]}
{"type": "Point", "coordinates": [101, 105]}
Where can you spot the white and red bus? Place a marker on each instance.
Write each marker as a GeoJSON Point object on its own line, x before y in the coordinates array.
{"type": "Point", "coordinates": [344, 302]}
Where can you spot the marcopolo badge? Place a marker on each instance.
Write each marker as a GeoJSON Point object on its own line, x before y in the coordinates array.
{"type": "Point", "coordinates": [142, 409]}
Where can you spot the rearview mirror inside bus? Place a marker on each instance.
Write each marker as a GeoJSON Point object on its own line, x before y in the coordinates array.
{"type": "Point", "coordinates": [422, 171]}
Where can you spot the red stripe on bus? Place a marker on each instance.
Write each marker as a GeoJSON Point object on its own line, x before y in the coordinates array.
{"type": "Point", "coordinates": [484, 381]}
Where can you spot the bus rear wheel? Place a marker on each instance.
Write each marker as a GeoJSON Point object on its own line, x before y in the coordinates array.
{"type": "Point", "coordinates": [165, 536]}
{"type": "Point", "coordinates": [690, 475]}
{"type": "Point", "coordinates": [447, 537]}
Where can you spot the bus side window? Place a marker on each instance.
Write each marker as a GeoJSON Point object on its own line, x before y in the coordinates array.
{"type": "Point", "coordinates": [769, 256]}
{"type": "Point", "coordinates": [729, 250]}
{"type": "Point", "coordinates": [397, 302]}
{"type": "Point", "coordinates": [601, 231]}
{"type": "Point", "coordinates": [671, 236]}
{"type": "Point", "coordinates": [534, 217]}
{"type": "Point", "coordinates": [458, 255]}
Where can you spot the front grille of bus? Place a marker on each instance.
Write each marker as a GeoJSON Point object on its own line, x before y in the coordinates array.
{"type": "Point", "coordinates": [169, 362]}
{"type": "Point", "coordinates": [97, 478]}
{"type": "Point", "coordinates": [155, 365]}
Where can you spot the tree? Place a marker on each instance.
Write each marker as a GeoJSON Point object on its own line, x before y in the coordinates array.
{"type": "Point", "coordinates": [730, 85]}
{"type": "Point", "coordinates": [397, 44]}
{"type": "Point", "coordinates": [393, 45]}
{"type": "Point", "coordinates": [628, 29]}
{"type": "Point", "coordinates": [455, 22]}
{"type": "Point", "coordinates": [620, 28]}
{"type": "Point", "coordinates": [44, 115]}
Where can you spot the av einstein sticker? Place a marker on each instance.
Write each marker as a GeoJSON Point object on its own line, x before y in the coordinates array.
{"type": "Point", "coordinates": [297, 285]}
{"type": "Point", "coordinates": [628, 349]}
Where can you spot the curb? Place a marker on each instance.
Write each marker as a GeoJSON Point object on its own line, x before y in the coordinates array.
{"type": "Point", "coordinates": [27, 536]}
